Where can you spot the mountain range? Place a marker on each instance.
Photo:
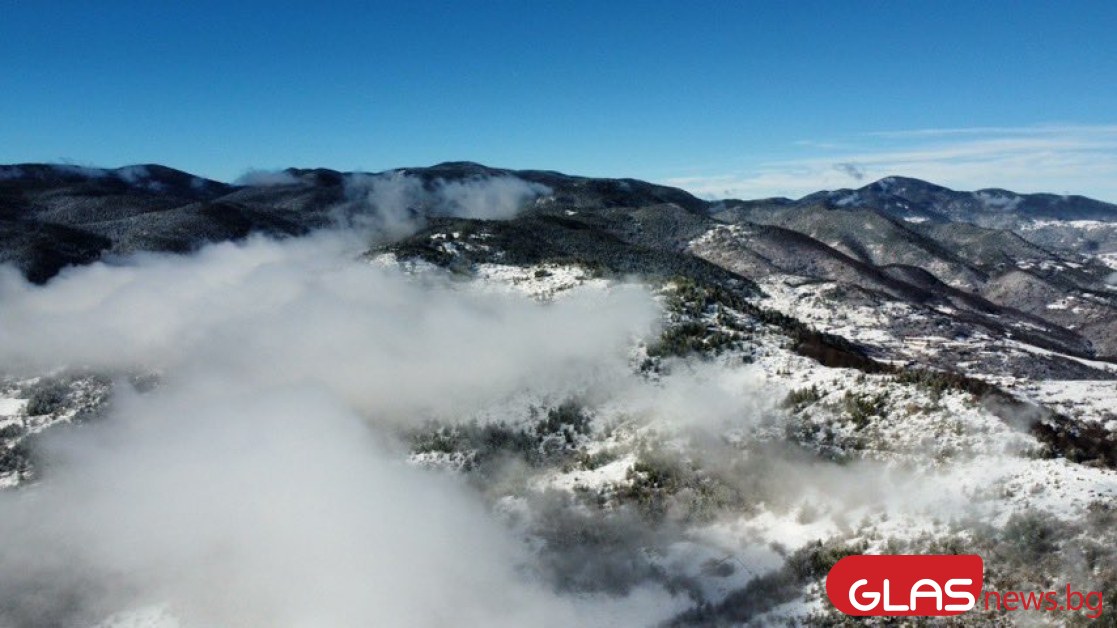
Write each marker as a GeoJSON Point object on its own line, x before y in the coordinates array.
{"type": "Point", "coordinates": [1031, 266]}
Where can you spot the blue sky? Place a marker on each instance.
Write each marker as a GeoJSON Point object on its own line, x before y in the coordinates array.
{"type": "Point", "coordinates": [725, 98]}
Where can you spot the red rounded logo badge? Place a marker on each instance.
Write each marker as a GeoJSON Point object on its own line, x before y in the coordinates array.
{"type": "Point", "coordinates": [930, 586]}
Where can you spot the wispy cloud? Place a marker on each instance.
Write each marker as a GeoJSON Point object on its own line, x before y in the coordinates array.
{"type": "Point", "coordinates": [1060, 159]}
{"type": "Point", "coordinates": [852, 169]}
{"type": "Point", "coordinates": [997, 130]}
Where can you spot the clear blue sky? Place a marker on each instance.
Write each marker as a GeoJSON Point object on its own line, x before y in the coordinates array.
{"type": "Point", "coordinates": [744, 98]}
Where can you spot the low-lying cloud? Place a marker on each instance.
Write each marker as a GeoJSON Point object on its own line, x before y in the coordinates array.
{"type": "Point", "coordinates": [282, 313]}
{"type": "Point", "coordinates": [261, 507]}
{"type": "Point", "coordinates": [257, 484]}
{"type": "Point", "coordinates": [267, 178]}
{"type": "Point", "coordinates": [396, 203]}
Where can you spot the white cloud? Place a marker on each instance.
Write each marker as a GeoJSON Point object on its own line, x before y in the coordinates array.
{"type": "Point", "coordinates": [80, 171]}
{"type": "Point", "coordinates": [258, 485]}
{"type": "Point", "coordinates": [277, 313]}
{"type": "Point", "coordinates": [1057, 159]}
{"type": "Point", "coordinates": [396, 203]}
{"type": "Point", "coordinates": [133, 174]}
{"type": "Point", "coordinates": [267, 178]}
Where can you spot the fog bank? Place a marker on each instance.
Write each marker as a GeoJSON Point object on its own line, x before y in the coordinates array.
{"type": "Point", "coordinates": [254, 486]}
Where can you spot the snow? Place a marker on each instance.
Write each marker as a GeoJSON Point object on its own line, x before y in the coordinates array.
{"type": "Point", "coordinates": [1109, 259]}
{"type": "Point", "coordinates": [413, 266]}
{"type": "Point", "coordinates": [1084, 400]}
{"type": "Point", "coordinates": [539, 281]}
{"type": "Point", "coordinates": [804, 299]}
{"type": "Point", "coordinates": [788, 530]}
{"type": "Point", "coordinates": [10, 407]}
{"type": "Point", "coordinates": [986, 466]}
{"type": "Point", "coordinates": [604, 476]}
{"type": "Point", "coordinates": [1045, 264]}
{"type": "Point", "coordinates": [996, 487]}
{"type": "Point", "coordinates": [1085, 225]}
{"type": "Point", "coordinates": [1094, 364]}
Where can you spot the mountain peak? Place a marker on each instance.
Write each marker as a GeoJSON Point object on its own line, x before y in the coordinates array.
{"type": "Point", "coordinates": [900, 186]}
